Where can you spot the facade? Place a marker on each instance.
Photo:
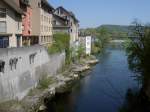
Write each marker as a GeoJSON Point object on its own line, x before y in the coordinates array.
{"type": "Point", "coordinates": [27, 38]}
{"type": "Point", "coordinates": [41, 21]}
{"type": "Point", "coordinates": [10, 24]}
{"type": "Point", "coordinates": [60, 24]}
{"type": "Point", "coordinates": [72, 22]}
{"type": "Point", "coordinates": [86, 42]}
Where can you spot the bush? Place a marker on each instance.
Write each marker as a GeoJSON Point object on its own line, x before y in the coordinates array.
{"type": "Point", "coordinates": [44, 82]}
{"type": "Point", "coordinates": [61, 43]}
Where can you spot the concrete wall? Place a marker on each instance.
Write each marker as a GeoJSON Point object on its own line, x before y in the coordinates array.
{"type": "Point", "coordinates": [22, 69]}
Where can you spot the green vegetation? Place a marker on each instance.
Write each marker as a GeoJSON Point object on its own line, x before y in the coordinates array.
{"type": "Point", "coordinates": [104, 33]}
{"type": "Point", "coordinates": [138, 51]}
{"type": "Point", "coordinates": [96, 47]}
{"type": "Point", "coordinates": [61, 43]}
{"type": "Point", "coordinates": [113, 31]}
{"type": "Point", "coordinates": [80, 52]}
{"type": "Point", "coordinates": [116, 31]}
{"type": "Point", "coordinates": [101, 36]}
{"type": "Point", "coordinates": [44, 82]}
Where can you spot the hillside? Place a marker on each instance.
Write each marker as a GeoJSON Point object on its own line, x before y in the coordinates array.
{"type": "Point", "coordinates": [114, 31]}
{"type": "Point", "coordinates": [116, 28]}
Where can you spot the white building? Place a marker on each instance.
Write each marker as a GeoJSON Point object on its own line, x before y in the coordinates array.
{"type": "Point", "coordinates": [88, 45]}
{"type": "Point", "coordinates": [86, 42]}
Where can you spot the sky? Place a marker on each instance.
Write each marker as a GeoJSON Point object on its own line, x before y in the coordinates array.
{"type": "Point", "coordinates": [93, 13]}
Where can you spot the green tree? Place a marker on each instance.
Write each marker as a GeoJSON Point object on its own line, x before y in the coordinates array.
{"type": "Point", "coordinates": [80, 52]}
{"type": "Point", "coordinates": [61, 43]}
{"type": "Point", "coordinates": [139, 53]}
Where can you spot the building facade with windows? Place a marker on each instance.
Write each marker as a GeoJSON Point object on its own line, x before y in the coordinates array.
{"type": "Point", "coordinates": [10, 24]}
{"type": "Point", "coordinates": [72, 22]}
{"type": "Point", "coordinates": [27, 38]}
{"type": "Point", "coordinates": [41, 21]}
{"type": "Point", "coordinates": [60, 24]}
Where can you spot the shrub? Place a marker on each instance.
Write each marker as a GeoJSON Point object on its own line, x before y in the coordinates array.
{"type": "Point", "coordinates": [44, 82]}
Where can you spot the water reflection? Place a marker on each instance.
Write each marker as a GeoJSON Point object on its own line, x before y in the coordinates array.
{"type": "Point", "coordinates": [104, 90]}
{"type": "Point", "coordinates": [135, 102]}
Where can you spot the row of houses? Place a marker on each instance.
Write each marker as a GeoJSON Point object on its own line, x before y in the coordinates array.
{"type": "Point", "coordinates": [29, 22]}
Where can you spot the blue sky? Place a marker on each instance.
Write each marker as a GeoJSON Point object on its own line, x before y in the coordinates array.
{"type": "Point", "coordinates": [92, 13]}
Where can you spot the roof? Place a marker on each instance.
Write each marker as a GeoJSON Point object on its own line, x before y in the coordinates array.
{"type": "Point", "coordinates": [47, 4]}
{"type": "Point", "coordinates": [73, 15]}
{"type": "Point", "coordinates": [14, 6]}
{"type": "Point", "coordinates": [70, 13]}
{"type": "Point", "coordinates": [61, 18]}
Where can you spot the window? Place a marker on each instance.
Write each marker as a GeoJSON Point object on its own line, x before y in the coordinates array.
{"type": "Point", "coordinates": [2, 26]}
{"type": "Point", "coordinates": [4, 42]}
{"type": "Point", "coordinates": [2, 12]}
{"type": "Point", "coordinates": [2, 66]}
{"type": "Point", "coordinates": [23, 27]}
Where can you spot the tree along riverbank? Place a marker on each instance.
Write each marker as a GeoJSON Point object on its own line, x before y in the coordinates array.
{"type": "Point", "coordinates": [49, 86]}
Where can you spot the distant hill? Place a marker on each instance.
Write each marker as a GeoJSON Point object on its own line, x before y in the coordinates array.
{"type": "Point", "coordinates": [116, 28]}
{"type": "Point", "coordinates": [114, 31]}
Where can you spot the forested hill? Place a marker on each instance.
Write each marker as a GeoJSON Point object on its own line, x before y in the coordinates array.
{"type": "Point", "coordinates": [114, 31]}
{"type": "Point", "coordinates": [116, 28]}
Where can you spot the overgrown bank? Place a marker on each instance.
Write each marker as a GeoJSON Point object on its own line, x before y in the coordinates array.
{"type": "Point", "coordinates": [49, 86]}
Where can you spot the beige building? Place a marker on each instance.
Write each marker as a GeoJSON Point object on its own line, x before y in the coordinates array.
{"type": "Point", "coordinates": [72, 22]}
{"type": "Point", "coordinates": [10, 24]}
{"type": "Point", "coordinates": [41, 21]}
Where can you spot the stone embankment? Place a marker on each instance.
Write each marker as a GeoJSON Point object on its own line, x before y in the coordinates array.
{"type": "Point", "coordinates": [35, 100]}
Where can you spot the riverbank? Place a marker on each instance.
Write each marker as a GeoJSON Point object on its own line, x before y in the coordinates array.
{"type": "Point", "coordinates": [60, 83]}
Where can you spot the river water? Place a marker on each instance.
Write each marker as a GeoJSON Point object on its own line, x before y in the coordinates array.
{"type": "Point", "coordinates": [105, 87]}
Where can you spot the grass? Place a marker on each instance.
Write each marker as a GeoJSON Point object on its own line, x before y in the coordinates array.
{"type": "Point", "coordinates": [10, 105]}
{"type": "Point", "coordinates": [45, 81]}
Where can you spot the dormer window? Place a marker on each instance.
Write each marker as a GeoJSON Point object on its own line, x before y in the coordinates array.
{"type": "Point", "coordinates": [2, 12]}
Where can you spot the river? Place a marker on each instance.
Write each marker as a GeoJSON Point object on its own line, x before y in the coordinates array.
{"type": "Point", "coordinates": [103, 89]}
